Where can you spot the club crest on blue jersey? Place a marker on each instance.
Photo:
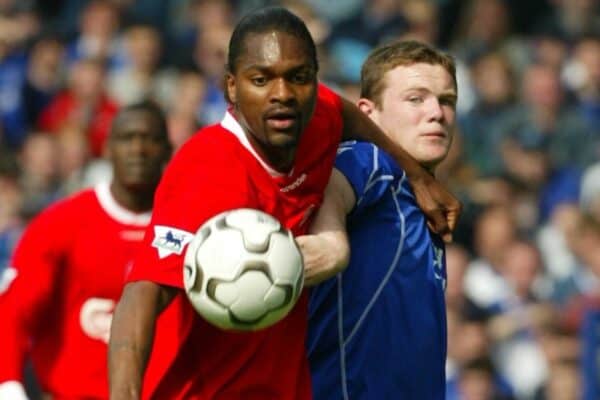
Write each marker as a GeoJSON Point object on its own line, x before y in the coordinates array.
{"type": "Point", "coordinates": [168, 240]}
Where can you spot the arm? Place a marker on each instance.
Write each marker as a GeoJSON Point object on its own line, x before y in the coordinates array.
{"type": "Point", "coordinates": [13, 344]}
{"type": "Point", "coordinates": [441, 208]}
{"type": "Point", "coordinates": [132, 335]}
{"type": "Point", "coordinates": [26, 294]}
{"type": "Point", "coordinates": [326, 250]}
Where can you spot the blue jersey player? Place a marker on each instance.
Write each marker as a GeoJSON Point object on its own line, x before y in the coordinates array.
{"type": "Point", "coordinates": [377, 329]}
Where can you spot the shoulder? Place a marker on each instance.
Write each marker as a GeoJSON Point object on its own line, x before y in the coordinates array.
{"type": "Point", "coordinates": [328, 112]}
{"type": "Point", "coordinates": [62, 219]}
{"type": "Point", "coordinates": [328, 98]}
{"type": "Point", "coordinates": [212, 161]}
{"type": "Point", "coordinates": [212, 149]}
{"type": "Point", "coordinates": [358, 154]}
{"type": "Point", "coordinates": [72, 205]}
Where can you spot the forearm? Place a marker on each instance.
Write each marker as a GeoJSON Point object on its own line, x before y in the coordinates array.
{"type": "Point", "coordinates": [13, 347]}
{"type": "Point", "coordinates": [325, 255]}
{"type": "Point", "coordinates": [326, 249]}
{"type": "Point", "coordinates": [22, 308]}
{"type": "Point", "coordinates": [132, 335]}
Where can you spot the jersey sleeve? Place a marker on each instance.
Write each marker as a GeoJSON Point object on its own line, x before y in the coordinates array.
{"type": "Point", "coordinates": [36, 267]}
{"type": "Point", "coordinates": [367, 170]}
{"type": "Point", "coordinates": [194, 188]}
{"type": "Point", "coordinates": [328, 96]}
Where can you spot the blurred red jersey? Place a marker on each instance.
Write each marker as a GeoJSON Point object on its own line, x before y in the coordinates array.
{"type": "Point", "coordinates": [215, 171]}
{"type": "Point", "coordinates": [64, 110]}
{"type": "Point", "coordinates": [70, 267]}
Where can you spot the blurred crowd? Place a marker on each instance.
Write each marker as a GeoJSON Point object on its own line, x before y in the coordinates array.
{"type": "Point", "coordinates": [524, 271]}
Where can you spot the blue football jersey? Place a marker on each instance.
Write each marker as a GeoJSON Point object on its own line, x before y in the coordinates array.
{"type": "Point", "coordinates": [378, 329]}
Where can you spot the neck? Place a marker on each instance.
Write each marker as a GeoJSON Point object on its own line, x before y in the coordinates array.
{"type": "Point", "coordinates": [280, 158]}
{"type": "Point", "coordinates": [137, 200]}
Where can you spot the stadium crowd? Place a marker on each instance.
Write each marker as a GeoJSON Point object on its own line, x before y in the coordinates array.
{"type": "Point", "coordinates": [524, 268]}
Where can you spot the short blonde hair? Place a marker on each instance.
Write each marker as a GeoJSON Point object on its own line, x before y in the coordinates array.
{"type": "Point", "coordinates": [388, 56]}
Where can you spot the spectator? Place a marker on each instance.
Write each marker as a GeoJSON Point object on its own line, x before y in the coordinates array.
{"type": "Point", "coordinates": [45, 76]}
{"type": "Point", "coordinates": [571, 19]}
{"type": "Point", "coordinates": [590, 191]}
{"type": "Point", "coordinates": [485, 26]}
{"type": "Point", "coordinates": [97, 38]}
{"type": "Point", "coordinates": [11, 221]}
{"type": "Point", "coordinates": [137, 79]}
{"type": "Point", "coordinates": [84, 104]}
{"type": "Point", "coordinates": [39, 177]}
{"type": "Point", "coordinates": [492, 78]}
{"type": "Point", "coordinates": [564, 382]}
{"type": "Point", "coordinates": [495, 230]}
{"type": "Point", "coordinates": [545, 113]}
{"type": "Point", "coordinates": [558, 257]}
{"type": "Point", "coordinates": [185, 109]}
{"type": "Point", "coordinates": [479, 381]}
{"type": "Point", "coordinates": [583, 77]}
{"type": "Point", "coordinates": [74, 158]}
{"type": "Point", "coordinates": [514, 329]}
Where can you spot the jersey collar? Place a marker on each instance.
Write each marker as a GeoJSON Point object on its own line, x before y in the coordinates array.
{"type": "Point", "coordinates": [233, 126]}
{"type": "Point", "coordinates": [116, 211]}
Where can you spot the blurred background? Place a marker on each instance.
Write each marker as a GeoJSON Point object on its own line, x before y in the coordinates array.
{"type": "Point", "coordinates": [524, 271]}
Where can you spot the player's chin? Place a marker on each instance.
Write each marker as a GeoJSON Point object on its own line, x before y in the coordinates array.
{"type": "Point", "coordinates": [145, 182]}
{"type": "Point", "coordinates": [433, 157]}
{"type": "Point", "coordinates": [284, 139]}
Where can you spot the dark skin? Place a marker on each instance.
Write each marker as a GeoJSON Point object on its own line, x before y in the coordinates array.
{"type": "Point", "coordinates": [273, 90]}
{"type": "Point", "coordinates": [273, 93]}
{"type": "Point", "coordinates": [138, 151]}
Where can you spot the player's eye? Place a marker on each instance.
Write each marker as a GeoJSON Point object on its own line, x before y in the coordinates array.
{"type": "Point", "coordinates": [415, 99]}
{"type": "Point", "coordinates": [301, 78]}
{"type": "Point", "coordinates": [259, 80]}
{"type": "Point", "coordinates": [448, 101]}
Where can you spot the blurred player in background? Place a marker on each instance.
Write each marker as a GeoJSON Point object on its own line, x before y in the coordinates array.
{"type": "Point", "coordinates": [378, 329]}
{"type": "Point", "coordinates": [68, 269]}
{"type": "Point", "coordinates": [272, 151]}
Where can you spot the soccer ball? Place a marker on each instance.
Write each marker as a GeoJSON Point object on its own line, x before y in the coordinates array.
{"type": "Point", "coordinates": [243, 270]}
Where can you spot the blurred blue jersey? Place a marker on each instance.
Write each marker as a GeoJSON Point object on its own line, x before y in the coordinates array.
{"type": "Point", "coordinates": [378, 330]}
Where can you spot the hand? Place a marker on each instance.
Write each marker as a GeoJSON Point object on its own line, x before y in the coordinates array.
{"type": "Point", "coordinates": [440, 207]}
{"type": "Point", "coordinates": [324, 255]}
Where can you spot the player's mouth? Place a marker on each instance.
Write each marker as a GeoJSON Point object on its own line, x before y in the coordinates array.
{"type": "Point", "coordinates": [434, 135]}
{"type": "Point", "coordinates": [281, 120]}
{"type": "Point", "coordinates": [138, 166]}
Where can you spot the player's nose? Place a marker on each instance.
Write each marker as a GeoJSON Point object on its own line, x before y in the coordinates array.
{"type": "Point", "coordinates": [281, 91]}
{"type": "Point", "coordinates": [435, 110]}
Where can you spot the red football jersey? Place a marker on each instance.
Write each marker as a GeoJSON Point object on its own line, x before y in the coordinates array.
{"type": "Point", "coordinates": [215, 171]}
{"type": "Point", "coordinates": [70, 267]}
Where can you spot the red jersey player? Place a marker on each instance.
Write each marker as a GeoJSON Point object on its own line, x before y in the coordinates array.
{"type": "Point", "coordinates": [273, 151]}
{"type": "Point", "coordinates": [70, 264]}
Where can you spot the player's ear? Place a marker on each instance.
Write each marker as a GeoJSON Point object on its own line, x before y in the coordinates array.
{"type": "Point", "coordinates": [365, 105]}
{"type": "Point", "coordinates": [230, 88]}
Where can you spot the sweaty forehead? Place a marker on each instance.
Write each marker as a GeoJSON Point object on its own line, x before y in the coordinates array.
{"type": "Point", "coordinates": [272, 47]}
